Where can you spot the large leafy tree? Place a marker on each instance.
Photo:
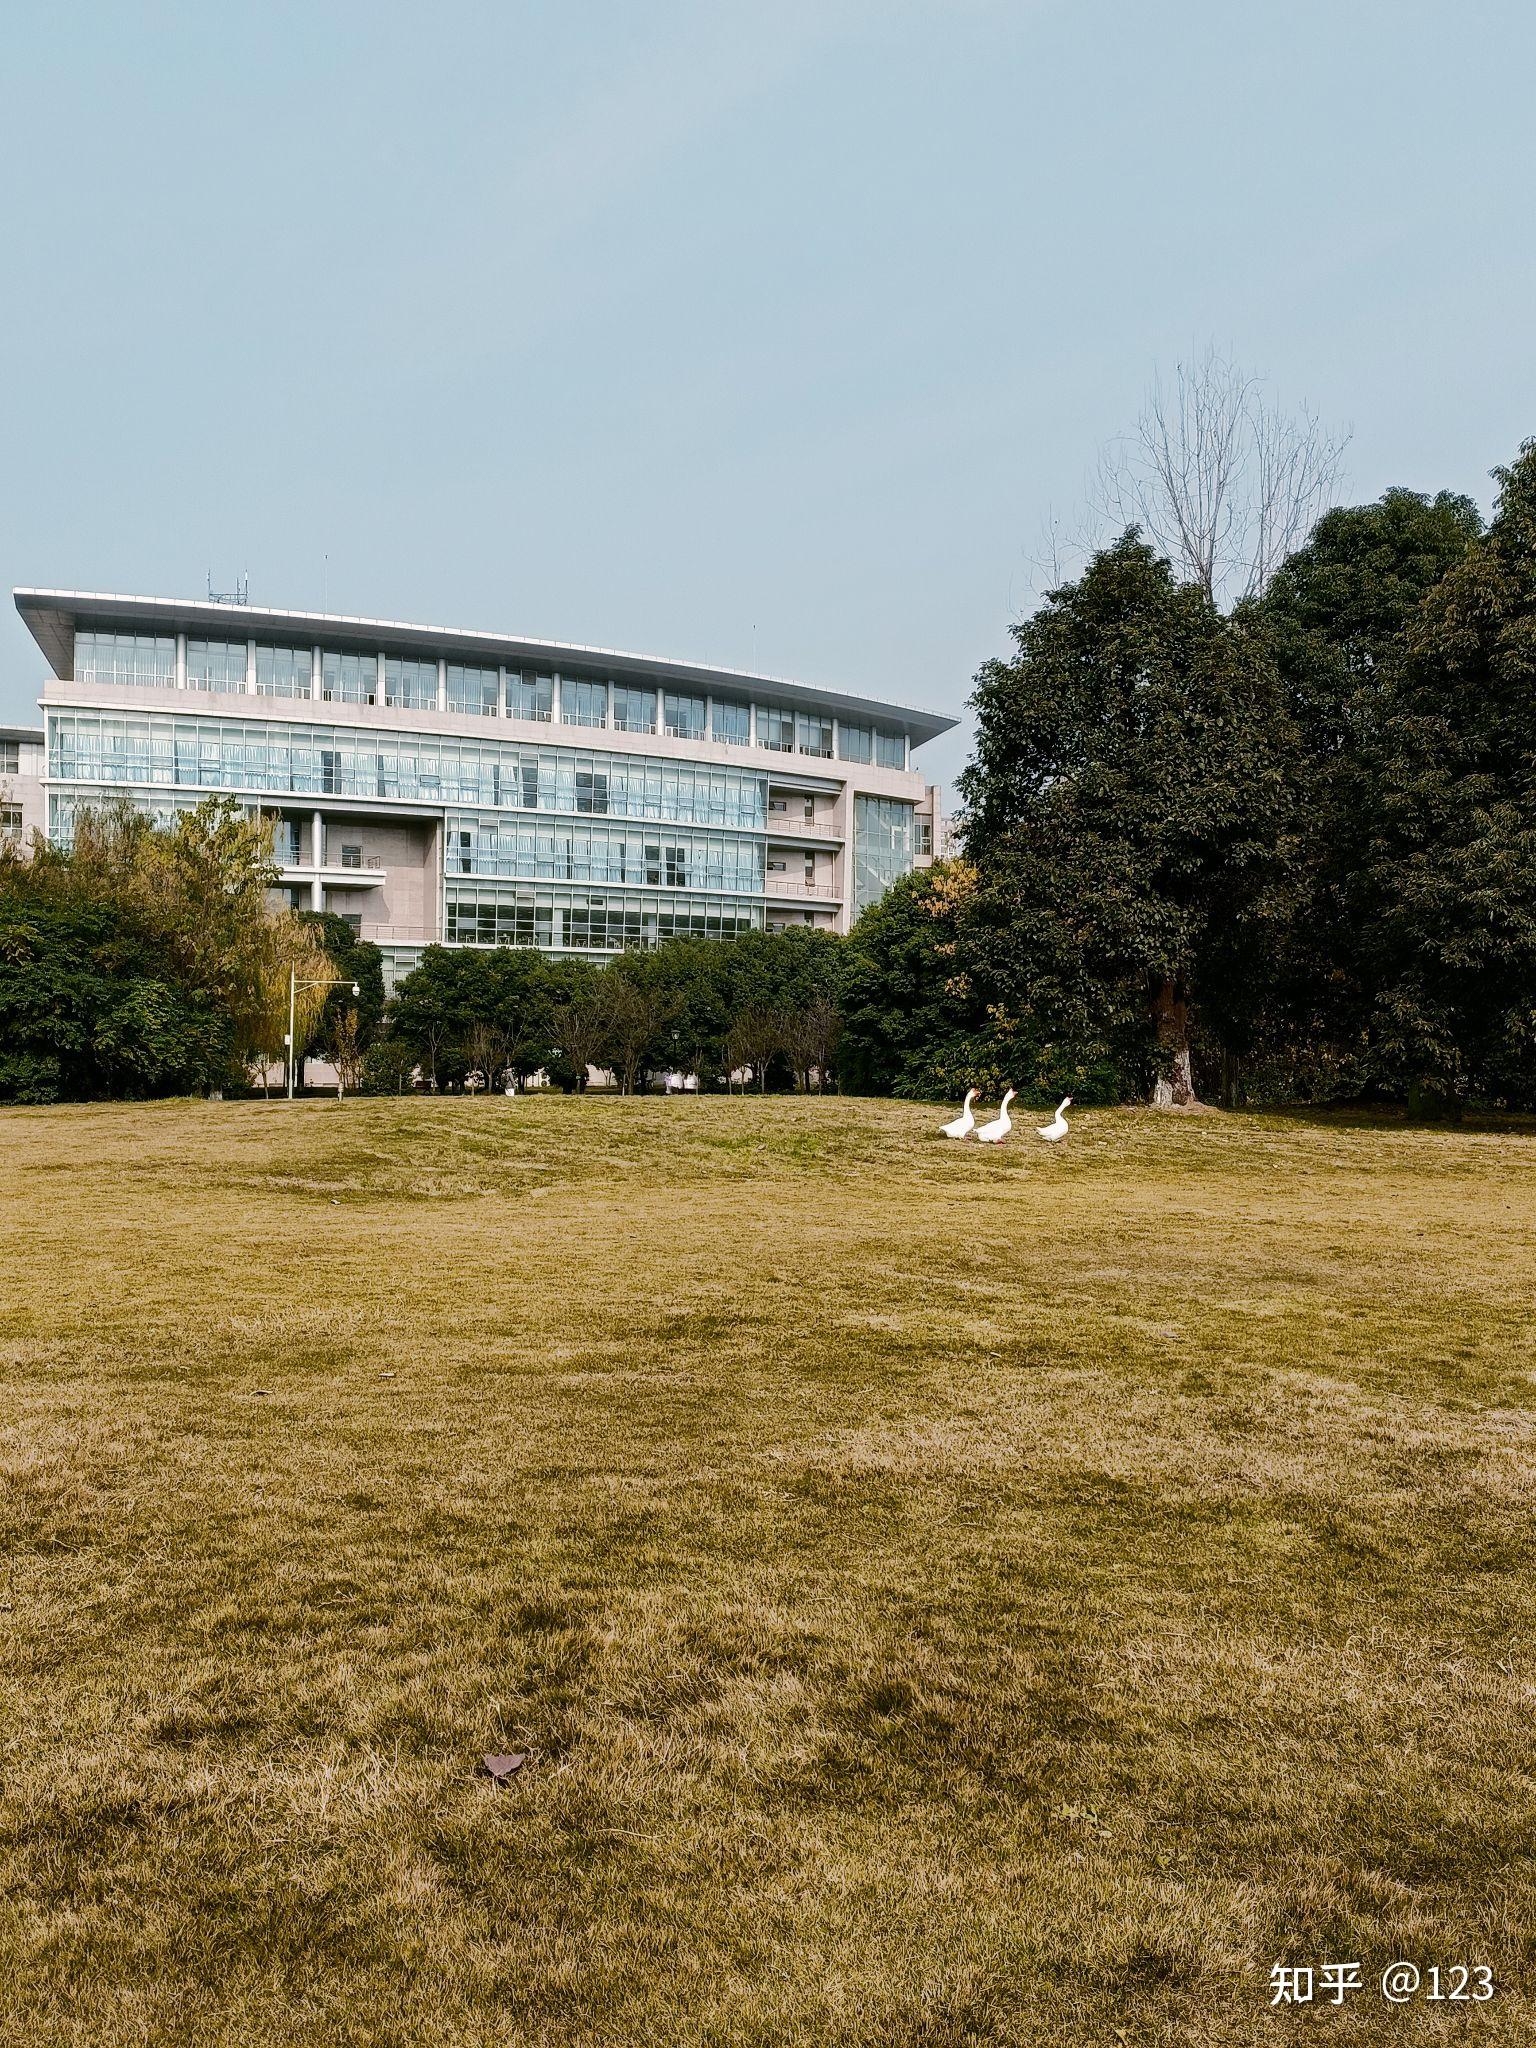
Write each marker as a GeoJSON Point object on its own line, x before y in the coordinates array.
{"type": "Point", "coordinates": [92, 1003]}
{"type": "Point", "coordinates": [1338, 613]}
{"type": "Point", "coordinates": [499, 1000]}
{"type": "Point", "coordinates": [1447, 887]}
{"type": "Point", "coordinates": [914, 1021]}
{"type": "Point", "coordinates": [1131, 819]}
{"type": "Point", "coordinates": [347, 1020]}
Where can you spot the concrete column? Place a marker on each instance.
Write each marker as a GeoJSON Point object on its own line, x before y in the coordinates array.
{"type": "Point", "coordinates": [314, 673]}
{"type": "Point", "coordinates": [442, 682]}
{"type": "Point", "coordinates": [501, 691]}
{"type": "Point", "coordinates": [709, 716]}
{"type": "Point", "coordinates": [317, 856]}
{"type": "Point", "coordinates": [181, 661]}
{"type": "Point", "coordinates": [554, 700]}
{"type": "Point", "coordinates": [835, 754]}
{"type": "Point", "coordinates": [250, 668]}
{"type": "Point", "coordinates": [608, 714]}
{"type": "Point", "coordinates": [751, 724]}
{"type": "Point", "coordinates": [378, 679]}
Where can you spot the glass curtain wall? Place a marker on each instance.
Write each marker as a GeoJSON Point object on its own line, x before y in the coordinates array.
{"type": "Point", "coordinates": [776, 729]}
{"type": "Point", "coordinates": [634, 710]}
{"type": "Point", "coordinates": [683, 717]}
{"type": "Point", "coordinates": [412, 685]}
{"type": "Point", "coordinates": [145, 659]}
{"type": "Point", "coordinates": [882, 847]}
{"type": "Point", "coordinates": [349, 678]}
{"type": "Point", "coordinates": [284, 672]}
{"type": "Point", "coordinates": [476, 691]}
{"type": "Point", "coordinates": [583, 703]}
{"type": "Point", "coordinates": [216, 664]}
{"type": "Point", "coordinates": [813, 734]}
{"type": "Point", "coordinates": [530, 696]}
{"type": "Point", "coordinates": [731, 722]}
{"type": "Point", "coordinates": [165, 750]}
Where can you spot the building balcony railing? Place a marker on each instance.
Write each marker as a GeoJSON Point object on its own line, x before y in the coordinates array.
{"type": "Point", "coordinates": [798, 828]}
{"type": "Point", "coordinates": [792, 886]}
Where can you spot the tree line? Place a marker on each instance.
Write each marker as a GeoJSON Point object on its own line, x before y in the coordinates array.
{"type": "Point", "coordinates": [1285, 852]}
{"type": "Point", "coordinates": [1278, 852]}
{"type": "Point", "coordinates": [762, 1006]}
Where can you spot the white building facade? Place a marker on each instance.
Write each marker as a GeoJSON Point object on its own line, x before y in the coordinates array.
{"type": "Point", "coordinates": [468, 788]}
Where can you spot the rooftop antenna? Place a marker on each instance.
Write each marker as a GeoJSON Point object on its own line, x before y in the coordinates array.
{"type": "Point", "coordinates": [241, 594]}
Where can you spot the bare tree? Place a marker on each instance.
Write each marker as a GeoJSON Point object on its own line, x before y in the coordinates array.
{"type": "Point", "coordinates": [810, 1038]}
{"type": "Point", "coordinates": [753, 1039]}
{"type": "Point", "coordinates": [635, 1017]}
{"type": "Point", "coordinates": [1221, 479]}
{"type": "Point", "coordinates": [482, 1052]}
{"type": "Point", "coordinates": [581, 1029]}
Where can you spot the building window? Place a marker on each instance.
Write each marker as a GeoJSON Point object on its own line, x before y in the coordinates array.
{"type": "Point", "coordinates": [813, 734]}
{"type": "Point", "coordinates": [141, 658]}
{"type": "Point", "coordinates": [677, 867]}
{"type": "Point", "coordinates": [778, 804]}
{"type": "Point", "coordinates": [732, 722]}
{"type": "Point", "coordinates": [10, 821]}
{"type": "Point", "coordinates": [776, 729]}
{"type": "Point", "coordinates": [810, 809]}
{"type": "Point", "coordinates": [924, 830]}
{"type": "Point", "coordinates": [531, 697]}
{"type": "Point", "coordinates": [634, 710]}
{"type": "Point", "coordinates": [684, 716]}
{"type": "Point", "coordinates": [583, 703]}
{"type": "Point", "coordinates": [591, 790]}
{"type": "Point", "coordinates": [351, 855]}
{"type": "Point", "coordinates": [777, 866]}
{"type": "Point", "coordinates": [810, 867]}
{"type": "Point", "coordinates": [215, 664]}
{"type": "Point", "coordinates": [285, 843]}
{"type": "Point", "coordinates": [412, 685]}
{"type": "Point", "coordinates": [349, 678]}
{"type": "Point", "coordinates": [855, 743]}
{"type": "Point", "coordinates": [476, 691]}
{"type": "Point", "coordinates": [10, 757]}
{"type": "Point", "coordinates": [890, 749]}
{"type": "Point", "coordinates": [882, 846]}
{"type": "Point", "coordinates": [284, 672]}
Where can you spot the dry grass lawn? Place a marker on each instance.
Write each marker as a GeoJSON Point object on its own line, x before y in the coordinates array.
{"type": "Point", "coordinates": [946, 1596]}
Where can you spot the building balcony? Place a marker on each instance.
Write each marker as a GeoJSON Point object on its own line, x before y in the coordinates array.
{"type": "Point", "coordinates": [790, 889]}
{"type": "Point", "coordinates": [335, 874]}
{"type": "Point", "coordinates": [822, 829]}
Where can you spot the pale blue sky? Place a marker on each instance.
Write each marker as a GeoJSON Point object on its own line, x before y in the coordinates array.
{"type": "Point", "coordinates": [760, 334]}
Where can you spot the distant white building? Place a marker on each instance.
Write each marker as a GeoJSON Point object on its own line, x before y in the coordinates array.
{"type": "Point", "coordinates": [468, 788]}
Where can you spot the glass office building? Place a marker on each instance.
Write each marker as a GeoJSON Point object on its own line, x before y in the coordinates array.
{"type": "Point", "coordinates": [465, 788]}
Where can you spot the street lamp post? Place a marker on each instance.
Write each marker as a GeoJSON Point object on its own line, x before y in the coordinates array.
{"type": "Point", "coordinates": [294, 985]}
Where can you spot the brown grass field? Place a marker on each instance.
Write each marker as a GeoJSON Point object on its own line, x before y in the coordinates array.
{"type": "Point", "coordinates": [945, 1596]}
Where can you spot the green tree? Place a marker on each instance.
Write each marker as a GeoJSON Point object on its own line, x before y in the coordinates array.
{"type": "Point", "coordinates": [913, 1020]}
{"type": "Point", "coordinates": [348, 1023]}
{"type": "Point", "coordinates": [508, 992]}
{"type": "Point", "coordinates": [1337, 614]}
{"type": "Point", "coordinates": [91, 1005]}
{"type": "Point", "coordinates": [1447, 891]}
{"type": "Point", "coordinates": [1131, 820]}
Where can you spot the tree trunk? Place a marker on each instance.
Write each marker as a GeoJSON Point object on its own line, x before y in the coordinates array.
{"type": "Point", "coordinates": [1175, 1085]}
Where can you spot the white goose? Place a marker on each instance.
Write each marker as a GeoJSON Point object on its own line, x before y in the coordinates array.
{"type": "Point", "coordinates": [1056, 1129]}
{"type": "Point", "coordinates": [995, 1132]}
{"type": "Point", "coordinates": [963, 1124]}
